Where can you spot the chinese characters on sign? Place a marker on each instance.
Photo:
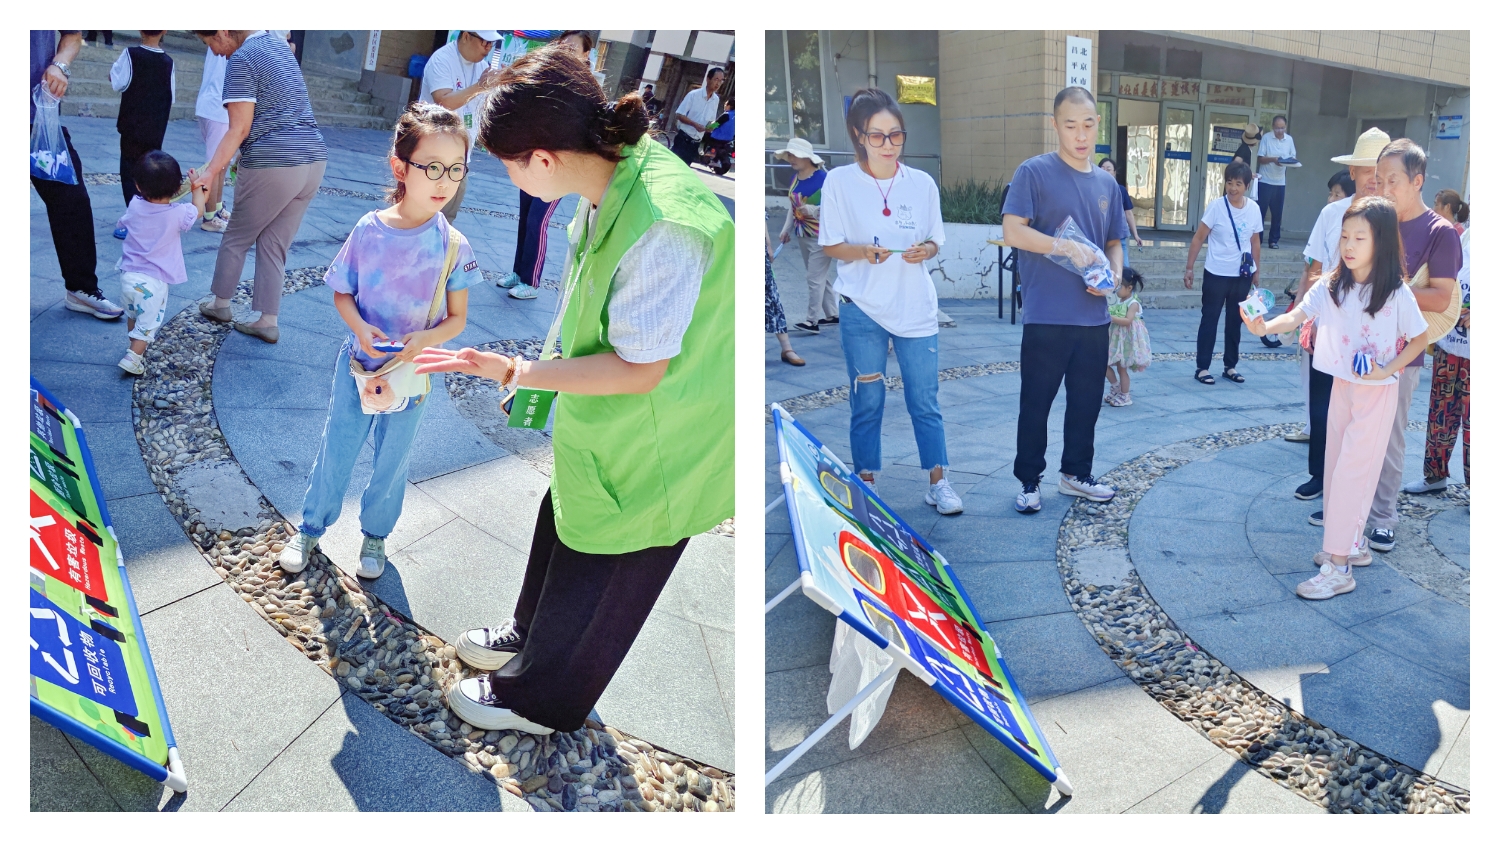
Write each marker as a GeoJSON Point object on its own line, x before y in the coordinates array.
{"type": "Point", "coordinates": [1079, 62]}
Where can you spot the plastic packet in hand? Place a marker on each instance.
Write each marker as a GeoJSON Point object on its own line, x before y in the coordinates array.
{"type": "Point", "coordinates": [49, 150]}
{"type": "Point", "coordinates": [1078, 254]}
{"type": "Point", "coordinates": [1362, 363]}
{"type": "Point", "coordinates": [1258, 303]}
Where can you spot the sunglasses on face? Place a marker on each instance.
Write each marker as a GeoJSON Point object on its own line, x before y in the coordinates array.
{"type": "Point", "coordinates": [435, 170]}
{"type": "Point", "coordinates": [878, 139]}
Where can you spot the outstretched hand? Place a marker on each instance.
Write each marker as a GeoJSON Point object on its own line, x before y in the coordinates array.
{"type": "Point", "coordinates": [467, 360]}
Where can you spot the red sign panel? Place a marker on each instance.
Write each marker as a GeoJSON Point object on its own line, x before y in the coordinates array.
{"type": "Point", "coordinates": [59, 551]}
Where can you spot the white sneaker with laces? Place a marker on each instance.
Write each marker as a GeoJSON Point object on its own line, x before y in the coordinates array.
{"type": "Point", "coordinates": [472, 701]}
{"type": "Point", "coordinates": [510, 280]}
{"type": "Point", "coordinates": [1423, 487]}
{"type": "Point", "coordinates": [90, 303]}
{"type": "Point", "coordinates": [297, 553]}
{"type": "Point", "coordinates": [1029, 500]}
{"type": "Point", "coordinates": [490, 648]}
{"type": "Point", "coordinates": [523, 291]}
{"type": "Point", "coordinates": [372, 557]}
{"type": "Point", "coordinates": [1085, 487]}
{"type": "Point", "coordinates": [942, 496]}
{"type": "Point", "coordinates": [133, 363]}
{"type": "Point", "coordinates": [1328, 582]}
{"type": "Point", "coordinates": [215, 224]}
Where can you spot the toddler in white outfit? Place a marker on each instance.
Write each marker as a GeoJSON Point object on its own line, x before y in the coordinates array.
{"type": "Point", "coordinates": [152, 256]}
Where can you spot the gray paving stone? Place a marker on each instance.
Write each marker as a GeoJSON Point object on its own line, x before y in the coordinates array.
{"type": "Point", "coordinates": [1449, 533]}
{"type": "Point", "coordinates": [701, 589]}
{"type": "Point", "coordinates": [1273, 645]}
{"type": "Point", "coordinates": [354, 759]}
{"type": "Point", "coordinates": [1051, 655]}
{"type": "Point", "coordinates": [1456, 767]}
{"type": "Point", "coordinates": [63, 336]}
{"type": "Point", "coordinates": [163, 566]}
{"type": "Point", "coordinates": [953, 778]}
{"type": "Point", "coordinates": [1390, 704]}
{"type": "Point", "coordinates": [229, 724]}
{"type": "Point", "coordinates": [453, 579]}
{"type": "Point", "coordinates": [999, 538]}
{"type": "Point", "coordinates": [59, 780]}
{"type": "Point", "coordinates": [117, 459]}
{"type": "Point", "coordinates": [676, 701]}
{"type": "Point", "coordinates": [1116, 745]}
{"type": "Point", "coordinates": [1379, 590]}
{"type": "Point", "coordinates": [95, 392]}
{"type": "Point", "coordinates": [1004, 591]}
{"type": "Point", "coordinates": [798, 633]}
{"type": "Point", "coordinates": [1166, 500]}
{"type": "Point", "coordinates": [500, 496]}
{"type": "Point", "coordinates": [1225, 786]}
{"type": "Point", "coordinates": [1433, 633]}
{"type": "Point", "coordinates": [796, 705]}
{"type": "Point", "coordinates": [721, 656]}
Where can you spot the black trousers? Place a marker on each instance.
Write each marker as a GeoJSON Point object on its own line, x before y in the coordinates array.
{"type": "Point", "coordinates": [685, 148]}
{"type": "Point", "coordinates": [1051, 356]}
{"type": "Point", "coordinates": [1221, 293]}
{"type": "Point", "coordinates": [131, 150]}
{"type": "Point", "coordinates": [1319, 393]}
{"type": "Point", "coordinates": [1272, 198]}
{"type": "Point", "coordinates": [71, 216]}
{"type": "Point", "coordinates": [580, 613]}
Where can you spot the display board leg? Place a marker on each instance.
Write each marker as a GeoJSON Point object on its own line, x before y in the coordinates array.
{"type": "Point", "coordinates": [832, 721]}
{"type": "Point", "coordinates": [774, 504]}
{"type": "Point", "coordinates": [785, 593]}
{"type": "Point", "coordinates": [176, 776]}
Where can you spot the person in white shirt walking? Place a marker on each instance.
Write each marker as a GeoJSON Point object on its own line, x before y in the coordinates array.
{"type": "Point", "coordinates": [457, 78]}
{"type": "Point", "coordinates": [694, 113]}
{"type": "Point", "coordinates": [213, 125]}
{"type": "Point", "coordinates": [1276, 148]}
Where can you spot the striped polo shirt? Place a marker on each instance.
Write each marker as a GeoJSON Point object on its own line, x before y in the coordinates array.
{"type": "Point", "coordinates": [283, 132]}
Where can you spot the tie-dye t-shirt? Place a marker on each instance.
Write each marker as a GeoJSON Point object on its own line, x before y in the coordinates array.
{"type": "Point", "coordinates": [393, 273]}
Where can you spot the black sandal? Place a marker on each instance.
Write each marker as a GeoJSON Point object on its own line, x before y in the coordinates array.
{"type": "Point", "coordinates": [1203, 377]}
{"type": "Point", "coordinates": [1234, 376]}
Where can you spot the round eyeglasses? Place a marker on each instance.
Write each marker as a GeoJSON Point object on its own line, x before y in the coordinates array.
{"type": "Point", "coordinates": [878, 139]}
{"type": "Point", "coordinates": [435, 170]}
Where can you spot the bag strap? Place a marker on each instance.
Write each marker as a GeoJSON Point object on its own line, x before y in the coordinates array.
{"type": "Point", "coordinates": [1229, 209]}
{"type": "Point", "coordinates": [442, 285]}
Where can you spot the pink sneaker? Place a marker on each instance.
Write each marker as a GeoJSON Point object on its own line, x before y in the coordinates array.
{"type": "Point", "coordinates": [1329, 582]}
{"type": "Point", "coordinates": [1361, 558]}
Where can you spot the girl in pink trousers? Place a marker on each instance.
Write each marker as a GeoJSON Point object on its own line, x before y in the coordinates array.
{"type": "Point", "coordinates": [1369, 329]}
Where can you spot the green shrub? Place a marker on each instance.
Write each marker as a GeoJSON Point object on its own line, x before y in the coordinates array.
{"type": "Point", "coordinates": [971, 202]}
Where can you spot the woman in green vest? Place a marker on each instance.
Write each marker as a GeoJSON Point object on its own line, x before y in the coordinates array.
{"type": "Point", "coordinates": [643, 437]}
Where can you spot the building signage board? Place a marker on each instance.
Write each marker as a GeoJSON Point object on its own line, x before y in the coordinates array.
{"type": "Point", "coordinates": [91, 672]}
{"type": "Point", "coordinates": [1450, 127]}
{"type": "Point", "coordinates": [863, 563]}
{"type": "Point", "coordinates": [1080, 62]}
{"type": "Point", "coordinates": [1227, 139]}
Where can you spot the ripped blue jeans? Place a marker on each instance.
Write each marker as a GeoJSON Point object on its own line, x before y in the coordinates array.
{"type": "Point", "coordinates": [865, 354]}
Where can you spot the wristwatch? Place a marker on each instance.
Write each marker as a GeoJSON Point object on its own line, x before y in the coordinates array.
{"type": "Point", "coordinates": [63, 66]}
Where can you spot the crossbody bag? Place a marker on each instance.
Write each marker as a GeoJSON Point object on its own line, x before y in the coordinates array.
{"type": "Point", "coordinates": [391, 388]}
{"type": "Point", "coordinates": [1247, 263]}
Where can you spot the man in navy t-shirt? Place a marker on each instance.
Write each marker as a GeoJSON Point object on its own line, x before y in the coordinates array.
{"type": "Point", "coordinates": [1066, 334]}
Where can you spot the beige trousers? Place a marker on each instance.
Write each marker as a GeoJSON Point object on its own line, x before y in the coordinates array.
{"type": "Point", "coordinates": [269, 203]}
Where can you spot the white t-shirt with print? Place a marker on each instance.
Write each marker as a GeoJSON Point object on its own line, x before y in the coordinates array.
{"type": "Point", "coordinates": [1270, 145]}
{"type": "Point", "coordinates": [448, 70]}
{"type": "Point", "coordinates": [1323, 243]}
{"type": "Point", "coordinates": [1223, 255]}
{"type": "Point", "coordinates": [1456, 341]}
{"type": "Point", "coordinates": [1345, 329]}
{"type": "Point", "coordinates": [897, 295]}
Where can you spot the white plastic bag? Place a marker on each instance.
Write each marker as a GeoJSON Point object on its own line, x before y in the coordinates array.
{"type": "Point", "coordinates": [854, 663]}
{"type": "Point", "coordinates": [1078, 254]}
{"type": "Point", "coordinates": [49, 151]}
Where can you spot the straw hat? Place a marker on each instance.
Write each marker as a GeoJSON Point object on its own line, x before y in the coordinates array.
{"type": "Point", "coordinates": [1252, 135]}
{"type": "Point", "coordinates": [1438, 324]}
{"type": "Point", "coordinates": [800, 148]}
{"type": "Point", "coordinates": [1366, 151]}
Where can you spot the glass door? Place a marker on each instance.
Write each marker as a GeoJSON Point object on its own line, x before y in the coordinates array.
{"type": "Point", "coordinates": [1138, 127]}
{"type": "Point", "coordinates": [1225, 130]}
{"type": "Point", "coordinates": [1176, 205]}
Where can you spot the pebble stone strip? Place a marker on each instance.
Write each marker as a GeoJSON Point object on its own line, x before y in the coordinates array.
{"type": "Point", "coordinates": [391, 662]}
{"type": "Point", "coordinates": [820, 399]}
{"type": "Point", "coordinates": [478, 400]}
{"type": "Point", "coordinates": [1333, 771]}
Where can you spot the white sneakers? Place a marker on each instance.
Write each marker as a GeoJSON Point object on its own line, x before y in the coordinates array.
{"type": "Point", "coordinates": [133, 363]}
{"type": "Point", "coordinates": [1424, 486]}
{"type": "Point", "coordinates": [372, 557]}
{"type": "Point", "coordinates": [297, 552]}
{"type": "Point", "coordinates": [490, 648]}
{"type": "Point", "coordinates": [1329, 582]}
{"type": "Point", "coordinates": [522, 291]}
{"type": "Point", "coordinates": [92, 304]}
{"type": "Point", "coordinates": [472, 701]}
{"type": "Point", "coordinates": [1085, 487]}
{"type": "Point", "coordinates": [942, 496]}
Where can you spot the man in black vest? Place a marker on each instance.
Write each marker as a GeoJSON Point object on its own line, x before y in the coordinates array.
{"type": "Point", "coordinates": [147, 83]}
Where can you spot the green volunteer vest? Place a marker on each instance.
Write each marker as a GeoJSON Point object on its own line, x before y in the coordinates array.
{"type": "Point", "coordinates": [643, 471]}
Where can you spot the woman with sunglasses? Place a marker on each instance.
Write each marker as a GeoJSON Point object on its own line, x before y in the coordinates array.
{"type": "Point", "coordinates": [644, 392]}
{"type": "Point", "coordinates": [880, 221]}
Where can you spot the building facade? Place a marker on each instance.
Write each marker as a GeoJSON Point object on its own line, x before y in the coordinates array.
{"type": "Point", "coordinates": [673, 61]}
{"type": "Point", "coordinates": [1172, 103]}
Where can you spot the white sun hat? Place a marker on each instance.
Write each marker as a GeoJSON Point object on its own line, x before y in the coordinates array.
{"type": "Point", "coordinates": [1366, 149]}
{"type": "Point", "coordinates": [800, 148]}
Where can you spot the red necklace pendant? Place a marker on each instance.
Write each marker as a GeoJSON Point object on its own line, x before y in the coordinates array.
{"type": "Point", "coordinates": [887, 211]}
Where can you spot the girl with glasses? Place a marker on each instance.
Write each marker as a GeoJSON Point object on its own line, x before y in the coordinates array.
{"type": "Point", "coordinates": [880, 221]}
{"type": "Point", "coordinates": [402, 278]}
{"type": "Point", "coordinates": [643, 389]}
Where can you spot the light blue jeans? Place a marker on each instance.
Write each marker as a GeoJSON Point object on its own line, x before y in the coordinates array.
{"type": "Point", "coordinates": [344, 434]}
{"type": "Point", "coordinates": [865, 353]}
